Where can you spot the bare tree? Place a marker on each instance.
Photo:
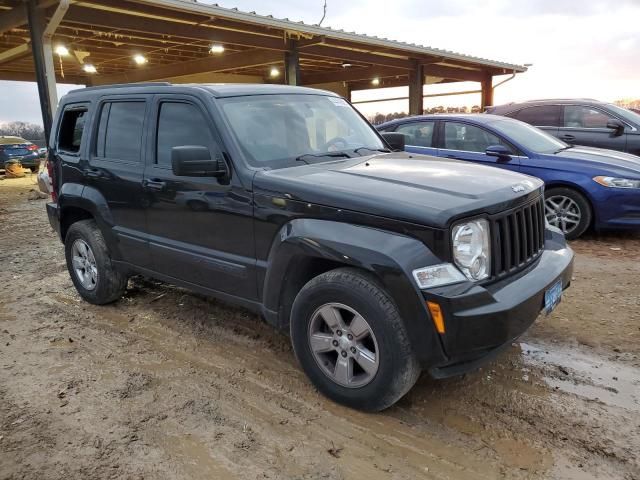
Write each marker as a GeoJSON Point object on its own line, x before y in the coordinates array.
{"type": "Point", "coordinates": [28, 131]}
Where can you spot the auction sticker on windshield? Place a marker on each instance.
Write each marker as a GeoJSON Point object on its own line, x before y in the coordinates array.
{"type": "Point", "coordinates": [552, 297]}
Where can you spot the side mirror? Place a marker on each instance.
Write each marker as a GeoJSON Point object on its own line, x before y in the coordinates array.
{"type": "Point", "coordinates": [196, 161]}
{"type": "Point", "coordinates": [394, 140]}
{"type": "Point", "coordinates": [499, 151]}
{"type": "Point", "coordinates": [617, 126]}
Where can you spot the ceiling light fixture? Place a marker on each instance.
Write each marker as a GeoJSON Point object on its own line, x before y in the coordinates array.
{"type": "Point", "coordinates": [62, 50]}
{"type": "Point", "coordinates": [140, 59]}
{"type": "Point", "coordinates": [375, 81]}
{"type": "Point", "coordinates": [216, 48]}
{"type": "Point", "coordinates": [347, 65]}
{"type": "Point", "coordinates": [89, 68]}
{"type": "Point", "coordinates": [274, 72]}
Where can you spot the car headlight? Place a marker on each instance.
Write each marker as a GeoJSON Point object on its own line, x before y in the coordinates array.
{"type": "Point", "coordinates": [617, 182]}
{"type": "Point", "coordinates": [436, 275]}
{"type": "Point", "coordinates": [471, 251]}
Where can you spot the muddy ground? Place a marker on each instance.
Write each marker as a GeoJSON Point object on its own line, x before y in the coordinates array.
{"type": "Point", "coordinates": [166, 384]}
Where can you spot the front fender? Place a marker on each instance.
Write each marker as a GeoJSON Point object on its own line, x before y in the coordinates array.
{"type": "Point", "coordinates": [390, 257]}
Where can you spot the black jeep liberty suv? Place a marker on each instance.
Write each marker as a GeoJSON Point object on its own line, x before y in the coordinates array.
{"type": "Point", "coordinates": [286, 201]}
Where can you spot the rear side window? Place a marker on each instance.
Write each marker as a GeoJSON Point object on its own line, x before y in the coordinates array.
{"type": "Point", "coordinates": [418, 134]}
{"type": "Point", "coordinates": [120, 131]}
{"type": "Point", "coordinates": [180, 124]}
{"type": "Point", "coordinates": [71, 128]}
{"type": "Point", "coordinates": [468, 138]}
{"type": "Point", "coordinates": [540, 116]}
{"type": "Point", "coordinates": [578, 116]}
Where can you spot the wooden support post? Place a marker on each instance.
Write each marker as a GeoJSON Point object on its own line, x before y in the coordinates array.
{"type": "Point", "coordinates": [36, 30]}
{"type": "Point", "coordinates": [416, 81]}
{"type": "Point", "coordinates": [487, 91]}
{"type": "Point", "coordinates": [292, 64]}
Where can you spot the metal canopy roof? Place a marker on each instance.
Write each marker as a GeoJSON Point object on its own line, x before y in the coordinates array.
{"type": "Point", "coordinates": [175, 37]}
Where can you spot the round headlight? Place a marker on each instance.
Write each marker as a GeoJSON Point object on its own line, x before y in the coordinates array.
{"type": "Point", "coordinates": [471, 251]}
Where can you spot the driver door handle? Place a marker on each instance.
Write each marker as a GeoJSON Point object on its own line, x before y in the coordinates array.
{"type": "Point", "coordinates": [567, 137]}
{"type": "Point", "coordinates": [157, 185]}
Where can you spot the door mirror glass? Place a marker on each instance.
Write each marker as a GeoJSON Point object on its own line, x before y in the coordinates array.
{"type": "Point", "coordinates": [499, 151]}
{"type": "Point", "coordinates": [617, 126]}
{"type": "Point", "coordinates": [394, 140]}
{"type": "Point", "coordinates": [196, 161]}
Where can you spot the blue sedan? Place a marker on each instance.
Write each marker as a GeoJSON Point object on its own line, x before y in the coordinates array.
{"type": "Point", "coordinates": [585, 187]}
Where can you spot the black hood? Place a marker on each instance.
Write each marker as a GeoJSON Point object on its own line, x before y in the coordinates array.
{"type": "Point", "coordinates": [416, 188]}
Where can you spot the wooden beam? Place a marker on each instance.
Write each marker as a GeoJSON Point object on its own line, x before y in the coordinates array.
{"type": "Point", "coordinates": [453, 73]}
{"type": "Point", "coordinates": [292, 64]}
{"type": "Point", "coordinates": [13, 18]}
{"type": "Point", "coordinates": [31, 77]}
{"type": "Point", "coordinates": [487, 91]}
{"type": "Point", "coordinates": [140, 23]}
{"type": "Point", "coordinates": [251, 58]}
{"type": "Point", "coordinates": [355, 56]}
{"type": "Point", "coordinates": [17, 16]}
{"type": "Point", "coordinates": [14, 53]}
{"type": "Point", "coordinates": [416, 82]}
{"type": "Point", "coordinates": [350, 74]}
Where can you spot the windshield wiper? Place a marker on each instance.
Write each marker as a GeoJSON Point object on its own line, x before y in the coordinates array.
{"type": "Point", "coordinates": [301, 158]}
{"type": "Point", "coordinates": [385, 150]}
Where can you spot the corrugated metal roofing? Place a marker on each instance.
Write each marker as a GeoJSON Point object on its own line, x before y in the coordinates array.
{"type": "Point", "coordinates": [289, 25]}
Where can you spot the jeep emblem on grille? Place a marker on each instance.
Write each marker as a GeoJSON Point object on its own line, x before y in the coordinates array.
{"type": "Point", "coordinates": [518, 188]}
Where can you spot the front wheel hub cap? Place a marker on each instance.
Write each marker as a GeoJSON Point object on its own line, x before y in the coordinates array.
{"type": "Point", "coordinates": [343, 345]}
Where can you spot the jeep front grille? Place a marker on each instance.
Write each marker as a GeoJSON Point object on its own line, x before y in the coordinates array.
{"type": "Point", "coordinates": [517, 237]}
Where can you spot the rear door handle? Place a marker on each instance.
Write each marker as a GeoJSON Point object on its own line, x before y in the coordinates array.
{"type": "Point", "coordinates": [157, 185]}
{"type": "Point", "coordinates": [568, 137]}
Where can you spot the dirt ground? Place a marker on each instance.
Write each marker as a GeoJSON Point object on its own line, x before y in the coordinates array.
{"type": "Point", "coordinates": [165, 384]}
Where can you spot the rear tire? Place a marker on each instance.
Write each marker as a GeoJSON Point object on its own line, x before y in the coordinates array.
{"type": "Point", "coordinates": [95, 277]}
{"type": "Point", "coordinates": [568, 210]}
{"type": "Point", "coordinates": [378, 360]}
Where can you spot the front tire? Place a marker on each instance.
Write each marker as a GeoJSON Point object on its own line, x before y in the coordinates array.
{"type": "Point", "coordinates": [349, 338]}
{"type": "Point", "coordinates": [568, 210]}
{"type": "Point", "coordinates": [95, 277]}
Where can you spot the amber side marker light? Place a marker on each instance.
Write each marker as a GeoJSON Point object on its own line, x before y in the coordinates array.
{"type": "Point", "coordinates": [436, 316]}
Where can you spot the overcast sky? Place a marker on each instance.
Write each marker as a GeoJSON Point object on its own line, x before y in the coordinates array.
{"type": "Point", "coordinates": [587, 48]}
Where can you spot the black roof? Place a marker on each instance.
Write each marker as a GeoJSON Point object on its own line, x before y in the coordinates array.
{"type": "Point", "coordinates": [217, 89]}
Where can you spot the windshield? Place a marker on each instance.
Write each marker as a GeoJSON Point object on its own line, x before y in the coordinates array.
{"type": "Point", "coordinates": [275, 130]}
{"type": "Point", "coordinates": [633, 117]}
{"type": "Point", "coordinates": [529, 137]}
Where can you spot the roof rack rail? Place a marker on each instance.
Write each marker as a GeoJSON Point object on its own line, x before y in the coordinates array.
{"type": "Point", "coordinates": [123, 85]}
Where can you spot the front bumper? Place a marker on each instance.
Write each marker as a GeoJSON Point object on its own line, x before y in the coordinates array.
{"type": "Point", "coordinates": [617, 208]}
{"type": "Point", "coordinates": [480, 320]}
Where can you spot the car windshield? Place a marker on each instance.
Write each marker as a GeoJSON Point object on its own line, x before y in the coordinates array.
{"type": "Point", "coordinates": [531, 138]}
{"type": "Point", "coordinates": [633, 117]}
{"type": "Point", "coordinates": [276, 131]}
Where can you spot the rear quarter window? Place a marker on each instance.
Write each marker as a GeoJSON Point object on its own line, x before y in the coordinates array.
{"type": "Point", "coordinates": [71, 129]}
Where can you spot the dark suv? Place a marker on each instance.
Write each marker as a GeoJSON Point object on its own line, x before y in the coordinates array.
{"type": "Point", "coordinates": [580, 122]}
{"type": "Point", "coordinates": [286, 201]}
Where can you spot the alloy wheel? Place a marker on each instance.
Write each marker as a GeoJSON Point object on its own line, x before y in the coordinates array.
{"type": "Point", "coordinates": [562, 212]}
{"type": "Point", "coordinates": [343, 345]}
{"type": "Point", "coordinates": [84, 264]}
